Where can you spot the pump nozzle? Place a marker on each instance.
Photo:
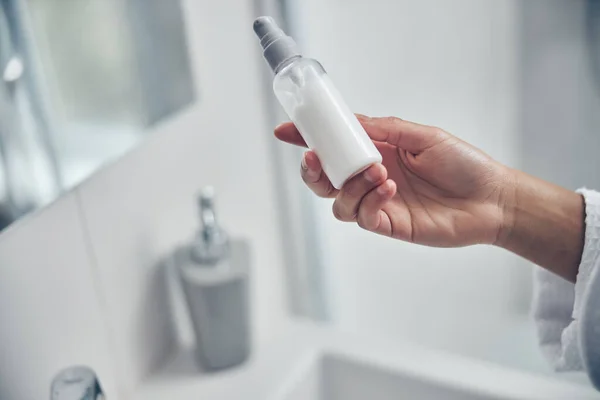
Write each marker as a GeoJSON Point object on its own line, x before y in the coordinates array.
{"type": "Point", "coordinates": [212, 243]}
{"type": "Point", "coordinates": [278, 47]}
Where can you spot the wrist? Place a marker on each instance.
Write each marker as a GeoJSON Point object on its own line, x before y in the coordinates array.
{"type": "Point", "coordinates": [507, 205]}
{"type": "Point", "coordinates": [543, 223]}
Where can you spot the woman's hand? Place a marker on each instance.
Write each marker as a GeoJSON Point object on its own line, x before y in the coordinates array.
{"type": "Point", "coordinates": [432, 188]}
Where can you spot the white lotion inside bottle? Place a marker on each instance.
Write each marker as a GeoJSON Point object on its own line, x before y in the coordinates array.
{"type": "Point", "coordinates": [318, 110]}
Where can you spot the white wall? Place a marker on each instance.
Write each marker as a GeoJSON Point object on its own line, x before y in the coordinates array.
{"type": "Point", "coordinates": [101, 302]}
{"type": "Point", "coordinates": [51, 316]}
{"type": "Point", "coordinates": [447, 63]}
{"type": "Point", "coordinates": [561, 92]}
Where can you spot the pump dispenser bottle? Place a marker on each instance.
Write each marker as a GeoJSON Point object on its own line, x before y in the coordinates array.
{"type": "Point", "coordinates": [318, 110]}
{"type": "Point", "coordinates": [214, 274]}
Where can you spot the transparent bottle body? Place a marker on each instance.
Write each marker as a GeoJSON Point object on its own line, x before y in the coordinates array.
{"type": "Point", "coordinates": [324, 120]}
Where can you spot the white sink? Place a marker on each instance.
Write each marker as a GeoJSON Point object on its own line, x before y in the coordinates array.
{"type": "Point", "coordinates": [337, 377]}
{"type": "Point", "coordinates": [309, 362]}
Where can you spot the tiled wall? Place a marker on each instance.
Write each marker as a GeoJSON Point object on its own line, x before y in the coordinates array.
{"type": "Point", "coordinates": [79, 280]}
{"type": "Point", "coordinates": [50, 314]}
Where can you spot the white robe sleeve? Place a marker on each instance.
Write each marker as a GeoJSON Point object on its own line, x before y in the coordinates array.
{"type": "Point", "coordinates": [560, 306]}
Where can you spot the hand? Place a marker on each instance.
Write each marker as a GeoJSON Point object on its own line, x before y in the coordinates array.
{"type": "Point", "coordinates": [432, 188]}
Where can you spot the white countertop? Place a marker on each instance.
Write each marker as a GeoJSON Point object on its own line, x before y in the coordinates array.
{"type": "Point", "coordinates": [268, 373]}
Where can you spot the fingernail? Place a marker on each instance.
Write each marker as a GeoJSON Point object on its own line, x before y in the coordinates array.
{"type": "Point", "coordinates": [312, 174]}
{"type": "Point", "coordinates": [372, 174]}
{"type": "Point", "coordinates": [383, 189]}
{"type": "Point", "coordinates": [303, 163]}
{"type": "Point", "coordinates": [280, 125]}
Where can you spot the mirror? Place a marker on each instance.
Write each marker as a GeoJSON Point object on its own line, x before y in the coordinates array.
{"type": "Point", "coordinates": [82, 84]}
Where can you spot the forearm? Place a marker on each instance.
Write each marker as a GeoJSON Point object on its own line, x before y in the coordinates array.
{"type": "Point", "coordinates": [545, 224]}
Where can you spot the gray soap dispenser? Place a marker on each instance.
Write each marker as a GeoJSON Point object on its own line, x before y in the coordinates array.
{"type": "Point", "coordinates": [214, 274]}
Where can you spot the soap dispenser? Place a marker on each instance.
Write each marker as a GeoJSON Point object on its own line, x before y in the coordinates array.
{"type": "Point", "coordinates": [214, 274]}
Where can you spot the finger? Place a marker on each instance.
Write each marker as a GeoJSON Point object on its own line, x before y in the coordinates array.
{"type": "Point", "coordinates": [287, 132]}
{"type": "Point", "coordinates": [395, 131]}
{"type": "Point", "coordinates": [345, 207]}
{"type": "Point", "coordinates": [406, 135]}
{"type": "Point", "coordinates": [370, 214]}
{"type": "Point", "coordinates": [314, 177]}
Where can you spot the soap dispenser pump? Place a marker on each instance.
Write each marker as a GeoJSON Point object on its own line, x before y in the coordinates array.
{"type": "Point", "coordinates": [214, 275]}
{"type": "Point", "coordinates": [212, 245]}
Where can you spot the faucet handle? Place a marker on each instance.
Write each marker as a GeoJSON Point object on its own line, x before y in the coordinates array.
{"type": "Point", "coordinates": [76, 383]}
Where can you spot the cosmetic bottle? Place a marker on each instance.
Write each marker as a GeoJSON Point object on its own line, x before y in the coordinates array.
{"type": "Point", "coordinates": [315, 106]}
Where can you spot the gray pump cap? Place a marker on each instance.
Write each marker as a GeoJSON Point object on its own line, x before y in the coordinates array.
{"type": "Point", "coordinates": [278, 47]}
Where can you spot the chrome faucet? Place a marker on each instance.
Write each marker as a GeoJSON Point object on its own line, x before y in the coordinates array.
{"type": "Point", "coordinates": [76, 383]}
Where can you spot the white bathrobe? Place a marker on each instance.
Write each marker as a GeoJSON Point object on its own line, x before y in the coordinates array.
{"type": "Point", "coordinates": [568, 315]}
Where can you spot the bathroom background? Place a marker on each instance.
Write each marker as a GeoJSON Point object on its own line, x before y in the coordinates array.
{"type": "Point", "coordinates": [518, 79]}
{"type": "Point", "coordinates": [81, 278]}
